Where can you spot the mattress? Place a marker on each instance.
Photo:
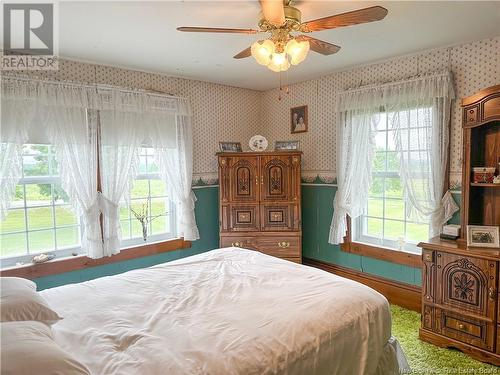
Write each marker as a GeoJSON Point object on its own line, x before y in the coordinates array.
{"type": "Point", "coordinates": [226, 311]}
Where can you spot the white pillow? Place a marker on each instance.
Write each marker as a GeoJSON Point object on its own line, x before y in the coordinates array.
{"type": "Point", "coordinates": [29, 348]}
{"type": "Point", "coordinates": [20, 301]}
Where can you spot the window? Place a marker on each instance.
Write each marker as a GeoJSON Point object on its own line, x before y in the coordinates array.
{"type": "Point", "coordinates": [385, 221]}
{"type": "Point", "coordinates": [148, 198]}
{"type": "Point", "coordinates": [40, 218]}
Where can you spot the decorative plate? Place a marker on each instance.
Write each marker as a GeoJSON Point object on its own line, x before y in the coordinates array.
{"type": "Point", "coordinates": [258, 143]}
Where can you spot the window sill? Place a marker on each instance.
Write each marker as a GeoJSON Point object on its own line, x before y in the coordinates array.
{"type": "Point", "coordinates": [56, 266]}
{"type": "Point", "coordinates": [383, 253]}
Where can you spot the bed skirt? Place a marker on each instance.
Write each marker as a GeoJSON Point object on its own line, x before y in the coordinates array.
{"type": "Point", "coordinates": [393, 360]}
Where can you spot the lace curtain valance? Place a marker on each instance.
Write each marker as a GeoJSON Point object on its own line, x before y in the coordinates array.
{"type": "Point", "coordinates": [92, 97]}
{"type": "Point", "coordinates": [416, 90]}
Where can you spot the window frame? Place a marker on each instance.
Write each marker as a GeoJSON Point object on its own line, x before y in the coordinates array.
{"type": "Point", "coordinates": [49, 179]}
{"type": "Point", "coordinates": [388, 250]}
{"type": "Point", "coordinates": [77, 251]}
{"type": "Point", "coordinates": [152, 238]}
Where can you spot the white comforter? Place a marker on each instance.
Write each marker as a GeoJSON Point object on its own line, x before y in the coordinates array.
{"type": "Point", "coordinates": [227, 311]}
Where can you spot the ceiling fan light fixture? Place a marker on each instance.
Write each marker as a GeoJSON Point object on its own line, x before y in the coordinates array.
{"type": "Point", "coordinates": [297, 51]}
{"type": "Point", "coordinates": [262, 51]}
{"type": "Point", "coordinates": [279, 62]}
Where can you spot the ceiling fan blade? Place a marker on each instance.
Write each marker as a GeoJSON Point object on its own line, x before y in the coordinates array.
{"type": "Point", "coordinates": [245, 53]}
{"type": "Point", "coordinates": [273, 11]}
{"type": "Point", "coordinates": [355, 17]}
{"type": "Point", "coordinates": [319, 46]}
{"type": "Point", "coordinates": [216, 30]}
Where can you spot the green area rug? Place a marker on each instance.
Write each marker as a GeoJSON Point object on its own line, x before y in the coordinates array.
{"type": "Point", "coordinates": [425, 358]}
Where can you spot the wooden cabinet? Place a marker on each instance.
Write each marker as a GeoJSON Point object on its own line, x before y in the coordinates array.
{"type": "Point", "coordinates": [460, 305]}
{"type": "Point", "coordinates": [460, 285]}
{"type": "Point", "coordinates": [259, 202]}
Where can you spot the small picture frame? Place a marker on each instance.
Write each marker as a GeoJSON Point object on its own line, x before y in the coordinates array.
{"type": "Point", "coordinates": [298, 119]}
{"type": "Point", "coordinates": [230, 146]}
{"type": "Point", "coordinates": [286, 145]}
{"type": "Point", "coordinates": [482, 236]}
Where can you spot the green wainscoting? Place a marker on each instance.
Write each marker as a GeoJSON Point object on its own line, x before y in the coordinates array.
{"type": "Point", "coordinates": [207, 217]}
{"type": "Point", "coordinates": [317, 211]}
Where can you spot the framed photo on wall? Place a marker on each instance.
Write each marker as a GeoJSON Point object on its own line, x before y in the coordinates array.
{"type": "Point", "coordinates": [298, 119]}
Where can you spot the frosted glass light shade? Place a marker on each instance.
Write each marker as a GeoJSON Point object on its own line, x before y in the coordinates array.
{"type": "Point", "coordinates": [297, 51]}
{"type": "Point", "coordinates": [279, 62]}
{"type": "Point", "coordinates": [262, 51]}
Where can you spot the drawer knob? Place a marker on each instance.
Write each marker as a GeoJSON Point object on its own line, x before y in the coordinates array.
{"type": "Point", "coordinates": [284, 244]}
{"type": "Point", "coordinates": [461, 327]}
{"type": "Point", "coordinates": [236, 244]}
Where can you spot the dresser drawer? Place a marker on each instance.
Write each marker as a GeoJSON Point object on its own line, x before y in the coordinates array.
{"type": "Point", "coordinates": [466, 329]}
{"type": "Point", "coordinates": [243, 242]}
{"type": "Point", "coordinates": [280, 246]}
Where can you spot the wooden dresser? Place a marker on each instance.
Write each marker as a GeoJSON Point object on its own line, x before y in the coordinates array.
{"type": "Point", "coordinates": [460, 284]}
{"type": "Point", "coordinates": [259, 202]}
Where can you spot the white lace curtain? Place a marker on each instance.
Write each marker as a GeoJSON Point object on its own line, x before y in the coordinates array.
{"type": "Point", "coordinates": [76, 151]}
{"type": "Point", "coordinates": [175, 161]}
{"type": "Point", "coordinates": [68, 114]}
{"type": "Point", "coordinates": [120, 141]}
{"type": "Point", "coordinates": [419, 113]}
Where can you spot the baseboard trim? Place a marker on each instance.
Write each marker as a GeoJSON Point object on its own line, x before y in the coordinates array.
{"type": "Point", "coordinates": [401, 294]}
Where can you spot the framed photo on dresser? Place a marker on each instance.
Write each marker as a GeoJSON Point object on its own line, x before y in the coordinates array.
{"type": "Point", "coordinates": [482, 236]}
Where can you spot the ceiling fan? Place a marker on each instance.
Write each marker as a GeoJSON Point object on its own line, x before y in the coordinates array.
{"type": "Point", "coordinates": [283, 21]}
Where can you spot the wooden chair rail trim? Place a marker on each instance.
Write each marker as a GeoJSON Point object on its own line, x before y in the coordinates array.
{"type": "Point", "coordinates": [383, 253]}
{"type": "Point", "coordinates": [401, 294]}
{"type": "Point", "coordinates": [57, 266]}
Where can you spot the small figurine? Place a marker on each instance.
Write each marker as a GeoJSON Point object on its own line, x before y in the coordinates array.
{"type": "Point", "coordinates": [42, 258]}
{"type": "Point", "coordinates": [496, 179]}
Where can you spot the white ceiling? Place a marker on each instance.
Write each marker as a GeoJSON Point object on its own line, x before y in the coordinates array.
{"type": "Point", "coordinates": [142, 35]}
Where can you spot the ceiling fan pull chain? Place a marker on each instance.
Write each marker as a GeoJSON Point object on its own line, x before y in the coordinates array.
{"type": "Point", "coordinates": [286, 83]}
{"type": "Point", "coordinates": [281, 87]}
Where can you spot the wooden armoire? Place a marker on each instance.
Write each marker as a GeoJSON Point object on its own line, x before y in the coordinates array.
{"type": "Point", "coordinates": [460, 283]}
{"type": "Point", "coordinates": [259, 202]}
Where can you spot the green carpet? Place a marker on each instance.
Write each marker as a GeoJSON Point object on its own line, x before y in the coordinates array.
{"type": "Point", "coordinates": [425, 358]}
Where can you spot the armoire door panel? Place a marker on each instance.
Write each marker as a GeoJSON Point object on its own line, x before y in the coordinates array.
{"type": "Point", "coordinates": [275, 178]}
{"type": "Point", "coordinates": [279, 217]}
{"type": "Point", "coordinates": [244, 218]}
{"type": "Point", "coordinates": [243, 179]}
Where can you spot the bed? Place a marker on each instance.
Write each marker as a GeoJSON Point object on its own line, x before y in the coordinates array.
{"type": "Point", "coordinates": [226, 311]}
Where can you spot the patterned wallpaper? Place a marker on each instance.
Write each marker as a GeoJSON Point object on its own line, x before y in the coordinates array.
{"type": "Point", "coordinates": [475, 66]}
{"type": "Point", "coordinates": [220, 112]}
{"type": "Point", "coordinates": [235, 114]}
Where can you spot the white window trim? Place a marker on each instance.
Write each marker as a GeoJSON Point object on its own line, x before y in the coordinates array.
{"type": "Point", "coordinates": [357, 227]}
